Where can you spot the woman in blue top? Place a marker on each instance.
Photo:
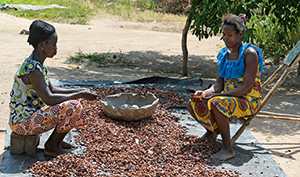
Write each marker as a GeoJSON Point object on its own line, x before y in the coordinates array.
{"type": "Point", "coordinates": [236, 92]}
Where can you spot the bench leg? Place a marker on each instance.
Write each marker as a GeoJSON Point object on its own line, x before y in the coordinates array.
{"type": "Point", "coordinates": [31, 143]}
{"type": "Point", "coordinates": [16, 143]}
{"type": "Point", "coordinates": [21, 143]}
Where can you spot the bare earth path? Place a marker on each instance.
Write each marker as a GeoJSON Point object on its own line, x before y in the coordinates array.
{"type": "Point", "coordinates": [152, 53]}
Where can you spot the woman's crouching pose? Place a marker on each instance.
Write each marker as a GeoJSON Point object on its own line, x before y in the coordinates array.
{"type": "Point", "coordinates": [36, 106]}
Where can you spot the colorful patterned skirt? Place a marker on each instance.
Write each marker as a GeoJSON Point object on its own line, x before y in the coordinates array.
{"type": "Point", "coordinates": [231, 107]}
{"type": "Point", "coordinates": [63, 116]}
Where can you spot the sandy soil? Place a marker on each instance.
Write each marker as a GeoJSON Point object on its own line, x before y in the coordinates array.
{"type": "Point", "coordinates": [152, 52]}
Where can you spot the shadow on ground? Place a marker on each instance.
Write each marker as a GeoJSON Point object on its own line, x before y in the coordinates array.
{"type": "Point", "coordinates": [152, 63]}
{"type": "Point", "coordinates": [139, 64]}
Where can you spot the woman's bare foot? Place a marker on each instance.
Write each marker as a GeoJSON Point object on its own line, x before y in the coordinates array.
{"type": "Point", "coordinates": [210, 135]}
{"type": "Point", "coordinates": [66, 145]}
{"type": "Point", "coordinates": [223, 155]}
{"type": "Point", "coordinates": [55, 151]}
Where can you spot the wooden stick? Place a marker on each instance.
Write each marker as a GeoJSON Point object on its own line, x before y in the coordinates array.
{"type": "Point", "coordinates": [243, 120]}
{"type": "Point", "coordinates": [273, 76]}
{"type": "Point", "coordinates": [240, 131]}
{"type": "Point", "coordinates": [278, 118]}
{"type": "Point", "coordinates": [279, 82]}
{"type": "Point", "coordinates": [278, 114]}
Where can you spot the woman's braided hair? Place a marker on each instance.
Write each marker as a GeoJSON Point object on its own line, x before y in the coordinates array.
{"type": "Point", "coordinates": [238, 22]}
{"type": "Point", "coordinates": [39, 31]}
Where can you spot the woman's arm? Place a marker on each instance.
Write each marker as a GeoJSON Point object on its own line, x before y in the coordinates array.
{"type": "Point", "coordinates": [42, 89]}
{"type": "Point", "coordinates": [217, 87]}
{"type": "Point", "coordinates": [55, 89]}
{"type": "Point", "coordinates": [251, 62]}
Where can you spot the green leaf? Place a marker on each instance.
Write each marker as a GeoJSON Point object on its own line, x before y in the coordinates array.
{"type": "Point", "coordinates": [277, 37]}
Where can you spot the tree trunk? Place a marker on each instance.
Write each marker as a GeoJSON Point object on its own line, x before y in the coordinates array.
{"type": "Point", "coordinates": [184, 45]}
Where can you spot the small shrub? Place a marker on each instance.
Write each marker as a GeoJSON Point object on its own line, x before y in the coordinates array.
{"type": "Point", "coordinates": [121, 58]}
{"type": "Point", "coordinates": [266, 37]}
{"type": "Point", "coordinates": [148, 4]}
{"type": "Point", "coordinates": [175, 6]}
{"type": "Point", "coordinates": [100, 59]}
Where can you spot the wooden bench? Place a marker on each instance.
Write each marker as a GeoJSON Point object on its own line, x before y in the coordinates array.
{"type": "Point", "coordinates": [291, 60]}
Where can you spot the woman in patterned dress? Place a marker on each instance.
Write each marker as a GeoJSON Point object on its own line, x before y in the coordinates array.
{"type": "Point", "coordinates": [37, 106]}
{"type": "Point", "coordinates": [236, 92]}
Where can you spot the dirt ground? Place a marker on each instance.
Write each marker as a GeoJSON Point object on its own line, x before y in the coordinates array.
{"type": "Point", "coordinates": [153, 53]}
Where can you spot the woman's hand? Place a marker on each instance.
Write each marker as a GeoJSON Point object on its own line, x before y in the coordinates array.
{"type": "Point", "coordinates": [199, 95]}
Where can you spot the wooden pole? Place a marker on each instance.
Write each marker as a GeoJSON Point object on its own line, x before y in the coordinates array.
{"type": "Point", "coordinates": [290, 119]}
{"type": "Point", "coordinates": [241, 130]}
{"type": "Point", "coordinates": [273, 76]}
{"type": "Point", "coordinates": [279, 82]}
{"type": "Point", "coordinates": [278, 114]}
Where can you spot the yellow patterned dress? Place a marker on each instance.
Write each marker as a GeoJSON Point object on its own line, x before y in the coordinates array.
{"type": "Point", "coordinates": [231, 107]}
{"type": "Point", "coordinates": [29, 115]}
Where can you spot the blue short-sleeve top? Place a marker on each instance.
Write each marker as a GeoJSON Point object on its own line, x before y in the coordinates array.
{"type": "Point", "coordinates": [235, 69]}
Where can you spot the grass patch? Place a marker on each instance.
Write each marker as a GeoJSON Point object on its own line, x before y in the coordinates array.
{"type": "Point", "coordinates": [102, 60]}
{"type": "Point", "coordinates": [80, 11]}
{"type": "Point", "coordinates": [121, 58]}
{"type": "Point", "coordinates": [138, 11]}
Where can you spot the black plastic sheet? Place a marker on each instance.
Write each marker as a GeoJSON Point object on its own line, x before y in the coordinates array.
{"type": "Point", "coordinates": [251, 157]}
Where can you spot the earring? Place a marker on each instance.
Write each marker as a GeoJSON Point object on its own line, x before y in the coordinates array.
{"type": "Point", "coordinates": [42, 49]}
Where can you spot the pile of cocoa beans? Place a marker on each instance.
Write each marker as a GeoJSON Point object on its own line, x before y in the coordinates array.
{"type": "Point", "coordinates": [154, 146]}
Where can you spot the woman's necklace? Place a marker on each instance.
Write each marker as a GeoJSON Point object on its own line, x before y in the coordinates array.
{"type": "Point", "coordinates": [232, 53]}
